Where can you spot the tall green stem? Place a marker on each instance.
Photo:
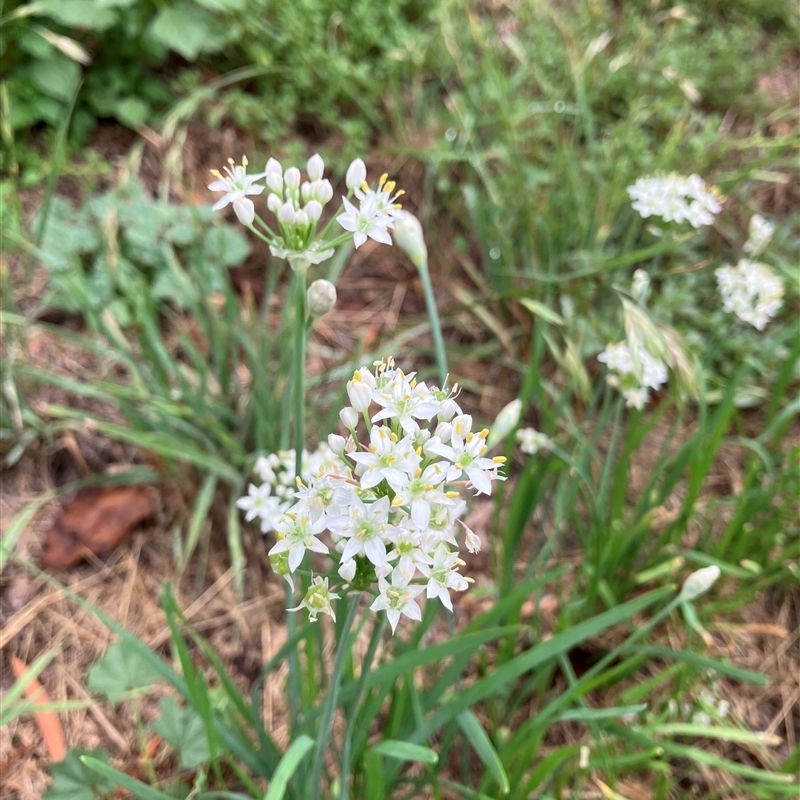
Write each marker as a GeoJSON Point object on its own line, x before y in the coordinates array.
{"type": "Point", "coordinates": [433, 315]}
{"type": "Point", "coordinates": [326, 723]}
{"type": "Point", "coordinates": [299, 391]}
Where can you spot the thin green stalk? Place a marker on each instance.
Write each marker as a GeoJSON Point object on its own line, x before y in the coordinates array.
{"type": "Point", "coordinates": [326, 723]}
{"type": "Point", "coordinates": [433, 315]}
{"type": "Point", "coordinates": [299, 373]}
{"type": "Point", "coordinates": [347, 747]}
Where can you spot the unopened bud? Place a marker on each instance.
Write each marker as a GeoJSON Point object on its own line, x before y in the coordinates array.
{"type": "Point", "coordinates": [274, 167]}
{"type": "Point", "coordinates": [286, 214]}
{"type": "Point", "coordinates": [313, 210]}
{"type": "Point", "coordinates": [360, 395]}
{"type": "Point", "coordinates": [347, 570]}
{"type": "Point", "coordinates": [348, 416]}
{"type": "Point", "coordinates": [699, 582]}
{"type": "Point", "coordinates": [306, 191]}
{"type": "Point", "coordinates": [315, 167]}
{"type": "Point", "coordinates": [292, 178]}
{"type": "Point", "coordinates": [407, 234]}
{"type": "Point", "coordinates": [275, 182]}
{"type": "Point", "coordinates": [336, 443]}
{"type": "Point", "coordinates": [356, 174]}
{"type": "Point", "coordinates": [320, 298]}
{"type": "Point", "coordinates": [274, 203]}
{"type": "Point", "coordinates": [301, 219]}
{"type": "Point", "coordinates": [505, 422]}
{"type": "Point", "coordinates": [323, 191]}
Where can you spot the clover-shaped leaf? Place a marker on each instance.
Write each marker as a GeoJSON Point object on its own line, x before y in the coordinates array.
{"type": "Point", "coordinates": [118, 671]}
{"type": "Point", "coordinates": [182, 728]}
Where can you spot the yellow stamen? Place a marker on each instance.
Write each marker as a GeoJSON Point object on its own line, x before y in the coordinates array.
{"type": "Point", "coordinates": [231, 161]}
{"type": "Point", "coordinates": [389, 187]}
{"type": "Point", "coordinates": [418, 451]}
{"type": "Point", "coordinates": [499, 459]}
{"type": "Point", "coordinates": [400, 192]}
{"type": "Point", "coordinates": [365, 187]}
{"type": "Point", "coordinates": [470, 436]}
{"type": "Point", "coordinates": [393, 437]}
{"type": "Point", "coordinates": [398, 501]}
{"type": "Point", "coordinates": [452, 494]}
{"type": "Point", "coordinates": [356, 377]}
{"type": "Point", "coordinates": [484, 433]}
{"type": "Point", "coordinates": [418, 471]}
{"type": "Point", "coordinates": [483, 449]}
{"type": "Point", "coordinates": [373, 449]}
{"type": "Point", "coordinates": [245, 162]}
{"type": "Point", "coordinates": [216, 173]}
{"type": "Point", "coordinates": [383, 179]}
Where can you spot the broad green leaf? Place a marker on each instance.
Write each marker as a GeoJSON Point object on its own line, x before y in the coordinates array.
{"type": "Point", "coordinates": [57, 77]}
{"type": "Point", "coordinates": [85, 14]}
{"type": "Point", "coordinates": [405, 751]}
{"type": "Point", "coordinates": [183, 28]}
{"type": "Point", "coordinates": [120, 670]}
{"type": "Point", "coordinates": [182, 728]}
{"type": "Point", "coordinates": [287, 767]}
{"type": "Point", "coordinates": [482, 745]}
{"type": "Point", "coordinates": [132, 111]}
{"type": "Point", "coordinates": [73, 780]}
{"type": "Point", "coordinates": [226, 245]}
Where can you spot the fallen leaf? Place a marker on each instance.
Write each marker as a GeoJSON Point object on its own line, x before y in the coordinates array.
{"type": "Point", "coordinates": [48, 721]}
{"type": "Point", "coordinates": [98, 520]}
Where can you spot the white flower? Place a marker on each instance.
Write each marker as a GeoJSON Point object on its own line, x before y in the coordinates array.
{"type": "Point", "coordinates": [297, 534]}
{"type": "Point", "coordinates": [750, 290]}
{"type": "Point", "coordinates": [397, 598]}
{"type": "Point", "coordinates": [699, 582]}
{"type": "Point", "coordinates": [417, 490]}
{"type": "Point", "coordinates": [237, 185]}
{"type": "Point", "coordinates": [349, 417]}
{"type": "Point", "coordinates": [675, 198]}
{"type": "Point", "coordinates": [532, 441]}
{"type": "Point", "coordinates": [386, 451]}
{"type": "Point", "coordinates": [360, 389]}
{"type": "Point", "coordinates": [315, 167]}
{"type": "Point", "coordinates": [442, 576]}
{"type": "Point", "coordinates": [760, 231]}
{"type": "Point", "coordinates": [365, 221]}
{"type": "Point", "coordinates": [365, 527]}
{"type": "Point", "coordinates": [633, 379]}
{"type": "Point", "coordinates": [407, 401]}
{"type": "Point", "coordinates": [318, 599]}
{"type": "Point", "coordinates": [466, 451]}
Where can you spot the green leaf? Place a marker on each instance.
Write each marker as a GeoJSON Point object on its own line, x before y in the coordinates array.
{"type": "Point", "coordinates": [141, 791]}
{"type": "Point", "coordinates": [132, 111]}
{"type": "Point", "coordinates": [287, 767]}
{"type": "Point", "coordinates": [119, 670]}
{"type": "Point", "coordinates": [482, 745]}
{"type": "Point", "coordinates": [226, 245]}
{"type": "Point", "coordinates": [73, 780]}
{"type": "Point", "coordinates": [57, 77]}
{"type": "Point", "coordinates": [541, 310]}
{"type": "Point", "coordinates": [86, 14]}
{"type": "Point", "coordinates": [183, 28]}
{"type": "Point", "coordinates": [182, 728]}
{"type": "Point", "coordinates": [405, 751]}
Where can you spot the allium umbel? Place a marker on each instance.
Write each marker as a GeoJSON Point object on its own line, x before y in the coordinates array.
{"type": "Point", "coordinates": [384, 506]}
{"type": "Point", "coordinates": [750, 290]}
{"type": "Point", "coordinates": [675, 198]}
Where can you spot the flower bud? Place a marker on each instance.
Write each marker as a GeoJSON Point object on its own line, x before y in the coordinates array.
{"type": "Point", "coordinates": [359, 392]}
{"type": "Point", "coordinates": [274, 167]}
{"type": "Point", "coordinates": [292, 178]}
{"type": "Point", "coordinates": [349, 418]}
{"type": "Point", "coordinates": [356, 174]}
{"type": "Point", "coordinates": [347, 570]}
{"type": "Point", "coordinates": [336, 443]}
{"type": "Point", "coordinates": [274, 203]}
{"type": "Point", "coordinates": [407, 234]}
{"type": "Point", "coordinates": [444, 430]}
{"type": "Point", "coordinates": [306, 190]}
{"type": "Point", "coordinates": [315, 167]}
{"type": "Point", "coordinates": [640, 286]}
{"type": "Point", "coordinates": [449, 410]}
{"type": "Point", "coordinates": [301, 219]}
{"type": "Point", "coordinates": [320, 298]}
{"type": "Point", "coordinates": [323, 191]}
{"type": "Point", "coordinates": [275, 182]}
{"type": "Point", "coordinates": [286, 214]}
{"type": "Point", "coordinates": [313, 210]}
{"type": "Point", "coordinates": [280, 566]}
{"type": "Point", "coordinates": [505, 422]}
{"type": "Point", "coordinates": [699, 582]}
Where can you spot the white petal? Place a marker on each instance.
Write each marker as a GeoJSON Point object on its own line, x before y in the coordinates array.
{"type": "Point", "coordinates": [245, 210]}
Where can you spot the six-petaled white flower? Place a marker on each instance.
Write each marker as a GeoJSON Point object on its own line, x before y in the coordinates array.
{"type": "Point", "coordinates": [237, 186]}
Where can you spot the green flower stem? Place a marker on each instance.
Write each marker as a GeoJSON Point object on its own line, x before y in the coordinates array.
{"type": "Point", "coordinates": [299, 369]}
{"type": "Point", "coordinates": [436, 325]}
{"type": "Point", "coordinates": [347, 747]}
{"type": "Point", "coordinates": [326, 723]}
{"type": "Point", "coordinates": [299, 372]}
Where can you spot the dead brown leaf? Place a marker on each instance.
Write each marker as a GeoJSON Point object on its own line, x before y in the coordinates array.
{"type": "Point", "coordinates": [96, 520]}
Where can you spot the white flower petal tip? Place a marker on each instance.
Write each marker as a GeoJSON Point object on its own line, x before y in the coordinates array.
{"type": "Point", "coordinates": [699, 582]}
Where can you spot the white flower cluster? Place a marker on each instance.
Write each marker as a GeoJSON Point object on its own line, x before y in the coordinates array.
{"type": "Point", "coordinates": [760, 234]}
{"type": "Point", "coordinates": [676, 198]}
{"type": "Point", "coordinates": [532, 441]}
{"type": "Point", "coordinates": [268, 500]}
{"type": "Point", "coordinates": [632, 379]}
{"type": "Point", "coordinates": [297, 206]}
{"type": "Point", "coordinates": [750, 290]}
{"type": "Point", "coordinates": [390, 503]}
